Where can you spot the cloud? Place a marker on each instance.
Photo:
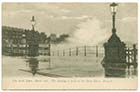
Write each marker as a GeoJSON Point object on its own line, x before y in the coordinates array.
{"type": "Point", "coordinates": [129, 19]}
{"type": "Point", "coordinates": [89, 33]}
{"type": "Point", "coordinates": [128, 29]}
{"type": "Point", "coordinates": [71, 17]}
{"type": "Point", "coordinates": [79, 17]}
{"type": "Point", "coordinates": [92, 32]}
{"type": "Point", "coordinates": [13, 9]}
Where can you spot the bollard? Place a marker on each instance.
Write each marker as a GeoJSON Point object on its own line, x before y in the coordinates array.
{"type": "Point", "coordinates": [76, 51]}
{"type": "Point", "coordinates": [69, 51]}
{"type": "Point", "coordinates": [85, 52]}
{"type": "Point", "coordinates": [96, 51]}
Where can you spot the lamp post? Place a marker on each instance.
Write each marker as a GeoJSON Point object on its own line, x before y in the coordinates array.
{"type": "Point", "coordinates": [113, 7]}
{"type": "Point", "coordinates": [33, 41]}
{"type": "Point", "coordinates": [33, 23]}
{"type": "Point", "coordinates": [115, 56]}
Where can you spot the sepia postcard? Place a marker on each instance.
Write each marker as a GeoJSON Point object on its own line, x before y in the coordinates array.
{"type": "Point", "coordinates": [69, 46]}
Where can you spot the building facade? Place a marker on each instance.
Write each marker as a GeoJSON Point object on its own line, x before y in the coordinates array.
{"type": "Point", "coordinates": [17, 42]}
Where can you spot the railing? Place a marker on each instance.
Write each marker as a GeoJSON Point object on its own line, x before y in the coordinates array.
{"type": "Point", "coordinates": [131, 54]}
{"type": "Point", "coordinates": [79, 51]}
{"type": "Point", "coordinates": [95, 51]}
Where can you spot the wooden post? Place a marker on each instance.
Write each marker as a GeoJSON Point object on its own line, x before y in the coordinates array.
{"type": "Point", "coordinates": [12, 50]}
{"type": "Point", "coordinates": [85, 52]}
{"type": "Point", "coordinates": [26, 49]}
{"type": "Point", "coordinates": [96, 51]}
{"type": "Point", "coordinates": [135, 52]}
{"type": "Point", "coordinates": [49, 47]}
{"type": "Point", "coordinates": [63, 52]}
{"type": "Point", "coordinates": [128, 56]}
{"type": "Point", "coordinates": [49, 63]}
{"type": "Point", "coordinates": [69, 51]}
{"type": "Point", "coordinates": [58, 52]}
{"type": "Point", "coordinates": [76, 51]}
{"type": "Point", "coordinates": [135, 55]}
{"type": "Point", "coordinates": [18, 50]}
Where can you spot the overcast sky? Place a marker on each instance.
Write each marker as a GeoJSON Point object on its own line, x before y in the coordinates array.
{"type": "Point", "coordinates": [85, 22]}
